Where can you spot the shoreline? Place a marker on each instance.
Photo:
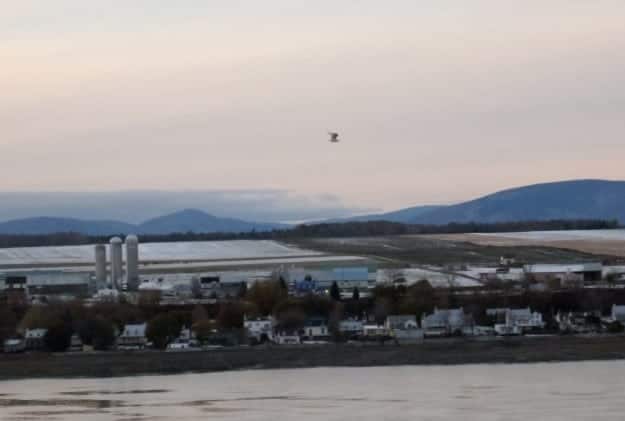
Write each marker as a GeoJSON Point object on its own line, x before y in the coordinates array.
{"type": "Point", "coordinates": [434, 352]}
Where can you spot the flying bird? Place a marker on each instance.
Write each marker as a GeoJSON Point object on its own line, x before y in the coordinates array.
{"type": "Point", "coordinates": [334, 137]}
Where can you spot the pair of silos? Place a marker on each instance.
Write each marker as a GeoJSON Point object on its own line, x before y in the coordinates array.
{"type": "Point", "coordinates": [117, 264]}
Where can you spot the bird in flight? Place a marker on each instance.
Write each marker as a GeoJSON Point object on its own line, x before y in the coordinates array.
{"type": "Point", "coordinates": [334, 137]}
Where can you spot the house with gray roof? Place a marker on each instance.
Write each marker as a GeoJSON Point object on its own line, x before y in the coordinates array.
{"type": "Point", "coordinates": [447, 322]}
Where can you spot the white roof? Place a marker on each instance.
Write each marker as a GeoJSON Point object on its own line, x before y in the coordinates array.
{"type": "Point", "coordinates": [563, 268]}
{"type": "Point", "coordinates": [35, 333]}
{"type": "Point", "coordinates": [137, 329]}
{"type": "Point", "coordinates": [436, 279]}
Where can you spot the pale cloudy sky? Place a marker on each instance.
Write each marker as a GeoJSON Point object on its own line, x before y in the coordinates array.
{"type": "Point", "coordinates": [437, 101]}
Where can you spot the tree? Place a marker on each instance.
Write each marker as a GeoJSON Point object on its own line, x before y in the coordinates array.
{"type": "Point", "coordinates": [230, 316]}
{"type": "Point", "coordinates": [242, 290]}
{"type": "Point", "coordinates": [356, 295]}
{"type": "Point", "coordinates": [162, 329]}
{"type": "Point", "coordinates": [291, 319]}
{"type": "Point", "coordinates": [204, 329]}
{"type": "Point", "coordinates": [199, 314]}
{"type": "Point", "coordinates": [96, 331]}
{"type": "Point", "coordinates": [334, 321]}
{"type": "Point", "coordinates": [615, 327]}
{"type": "Point", "coordinates": [37, 317]}
{"type": "Point", "coordinates": [381, 310]}
{"type": "Point", "coordinates": [335, 292]}
{"type": "Point", "coordinates": [58, 337]}
{"type": "Point", "coordinates": [8, 323]}
{"type": "Point", "coordinates": [149, 298]}
{"type": "Point", "coordinates": [196, 287]}
{"type": "Point", "coordinates": [554, 284]}
{"type": "Point", "coordinates": [266, 296]}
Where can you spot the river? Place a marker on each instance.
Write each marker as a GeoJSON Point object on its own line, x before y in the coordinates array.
{"type": "Point", "coordinates": [550, 391]}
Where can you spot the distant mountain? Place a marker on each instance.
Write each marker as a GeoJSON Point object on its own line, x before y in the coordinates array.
{"type": "Point", "coordinates": [46, 225]}
{"type": "Point", "coordinates": [576, 199]}
{"type": "Point", "coordinates": [179, 222]}
{"type": "Point", "coordinates": [192, 220]}
{"type": "Point", "coordinates": [407, 215]}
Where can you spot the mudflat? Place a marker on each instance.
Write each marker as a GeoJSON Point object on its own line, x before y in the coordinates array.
{"type": "Point", "coordinates": [431, 352]}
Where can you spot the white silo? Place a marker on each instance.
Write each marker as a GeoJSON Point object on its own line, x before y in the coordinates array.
{"type": "Point", "coordinates": [116, 263]}
{"type": "Point", "coordinates": [100, 265]}
{"type": "Point", "coordinates": [132, 262]}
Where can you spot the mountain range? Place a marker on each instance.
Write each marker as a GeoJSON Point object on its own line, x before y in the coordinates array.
{"type": "Point", "coordinates": [576, 199]}
{"type": "Point", "coordinates": [188, 220]}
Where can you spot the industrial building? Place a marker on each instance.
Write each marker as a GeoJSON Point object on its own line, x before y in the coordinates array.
{"type": "Point", "coordinates": [585, 272]}
{"type": "Point", "coordinates": [35, 284]}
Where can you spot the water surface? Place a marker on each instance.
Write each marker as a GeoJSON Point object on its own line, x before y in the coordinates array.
{"type": "Point", "coordinates": [553, 391]}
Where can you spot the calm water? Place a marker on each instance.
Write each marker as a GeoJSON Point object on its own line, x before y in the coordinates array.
{"type": "Point", "coordinates": [571, 391]}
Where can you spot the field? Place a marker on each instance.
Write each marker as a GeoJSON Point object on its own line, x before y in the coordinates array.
{"type": "Point", "coordinates": [179, 257]}
{"type": "Point", "coordinates": [200, 251]}
{"type": "Point", "coordinates": [441, 250]}
{"type": "Point", "coordinates": [600, 242]}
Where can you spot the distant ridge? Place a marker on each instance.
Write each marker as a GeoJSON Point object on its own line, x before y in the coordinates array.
{"type": "Point", "coordinates": [406, 215]}
{"type": "Point", "coordinates": [193, 220]}
{"type": "Point", "coordinates": [575, 199]}
{"type": "Point", "coordinates": [188, 220]}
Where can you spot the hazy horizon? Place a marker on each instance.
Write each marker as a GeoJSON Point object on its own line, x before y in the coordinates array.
{"type": "Point", "coordinates": [437, 102]}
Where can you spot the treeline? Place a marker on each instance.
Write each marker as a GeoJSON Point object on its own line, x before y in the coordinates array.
{"type": "Point", "coordinates": [99, 324]}
{"type": "Point", "coordinates": [343, 229]}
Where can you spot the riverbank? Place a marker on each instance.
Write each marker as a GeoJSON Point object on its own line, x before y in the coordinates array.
{"type": "Point", "coordinates": [434, 352]}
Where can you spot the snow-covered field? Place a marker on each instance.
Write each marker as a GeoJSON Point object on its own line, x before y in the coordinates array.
{"type": "Point", "coordinates": [603, 235]}
{"type": "Point", "coordinates": [206, 250]}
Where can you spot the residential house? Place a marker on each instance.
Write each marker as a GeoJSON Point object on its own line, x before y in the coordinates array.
{"type": "Point", "coordinates": [618, 313]}
{"type": "Point", "coordinates": [316, 328]}
{"type": "Point", "coordinates": [133, 337]}
{"type": "Point", "coordinates": [351, 328]}
{"type": "Point", "coordinates": [75, 344]}
{"type": "Point", "coordinates": [404, 329]}
{"type": "Point", "coordinates": [375, 331]}
{"type": "Point", "coordinates": [287, 337]}
{"type": "Point", "coordinates": [447, 322]}
{"type": "Point", "coordinates": [14, 345]}
{"type": "Point", "coordinates": [519, 321]}
{"type": "Point", "coordinates": [34, 339]}
{"type": "Point", "coordinates": [585, 322]}
{"type": "Point", "coordinates": [401, 322]}
{"type": "Point", "coordinates": [259, 330]}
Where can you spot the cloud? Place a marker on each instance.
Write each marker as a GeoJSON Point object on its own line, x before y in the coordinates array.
{"type": "Point", "coordinates": [137, 206]}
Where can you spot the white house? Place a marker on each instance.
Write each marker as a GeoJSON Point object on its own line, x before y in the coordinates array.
{"type": "Point", "coordinates": [14, 345]}
{"type": "Point", "coordinates": [447, 322]}
{"type": "Point", "coordinates": [618, 313]}
{"type": "Point", "coordinates": [315, 328]}
{"type": "Point", "coordinates": [401, 323]}
{"type": "Point", "coordinates": [518, 321]}
{"type": "Point", "coordinates": [133, 337]}
{"type": "Point", "coordinates": [578, 322]}
{"type": "Point", "coordinates": [404, 329]}
{"type": "Point", "coordinates": [260, 330]}
{"type": "Point", "coordinates": [287, 337]}
{"type": "Point", "coordinates": [34, 338]}
{"type": "Point", "coordinates": [375, 331]}
{"type": "Point", "coordinates": [351, 327]}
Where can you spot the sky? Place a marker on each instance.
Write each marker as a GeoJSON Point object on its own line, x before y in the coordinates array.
{"type": "Point", "coordinates": [436, 101]}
